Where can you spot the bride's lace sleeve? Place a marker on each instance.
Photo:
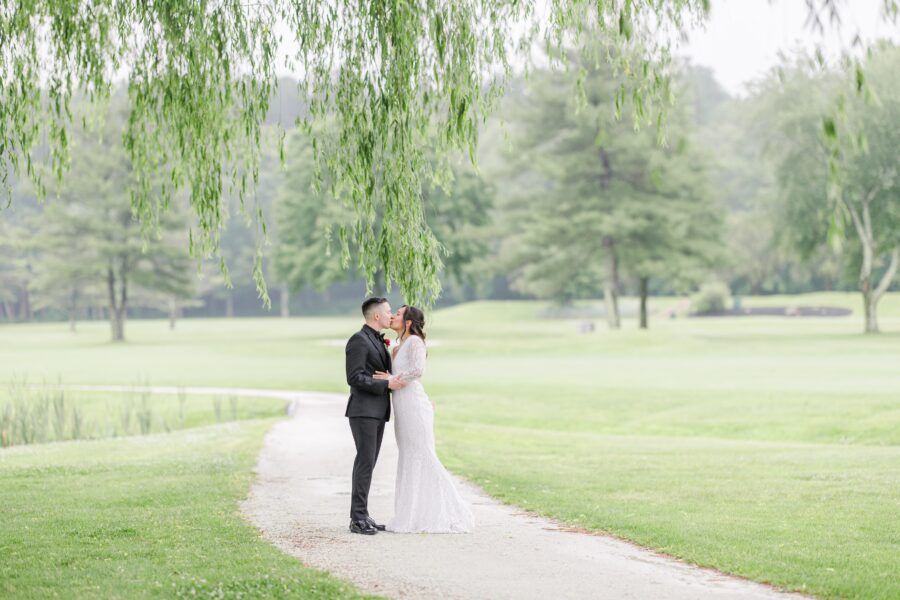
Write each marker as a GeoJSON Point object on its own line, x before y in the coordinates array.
{"type": "Point", "coordinates": [415, 360]}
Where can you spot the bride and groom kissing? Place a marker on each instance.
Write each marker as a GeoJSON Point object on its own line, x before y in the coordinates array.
{"type": "Point", "coordinates": [425, 497]}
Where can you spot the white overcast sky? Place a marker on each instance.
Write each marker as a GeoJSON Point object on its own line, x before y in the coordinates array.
{"type": "Point", "coordinates": [742, 38]}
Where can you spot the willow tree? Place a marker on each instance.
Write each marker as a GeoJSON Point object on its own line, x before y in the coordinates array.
{"type": "Point", "coordinates": [397, 76]}
{"type": "Point", "coordinates": [868, 196]}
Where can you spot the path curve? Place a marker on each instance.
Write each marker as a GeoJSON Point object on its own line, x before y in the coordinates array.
{"type": "Point", "coordinates": [300, 502]}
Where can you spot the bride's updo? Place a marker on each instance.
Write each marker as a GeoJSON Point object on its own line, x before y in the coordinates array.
{"type": "Point", "coordinates": [417, 318]}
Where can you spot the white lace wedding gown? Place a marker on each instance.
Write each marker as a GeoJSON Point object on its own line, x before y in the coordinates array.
{"type": "Point", "coordinates": [425, 498]}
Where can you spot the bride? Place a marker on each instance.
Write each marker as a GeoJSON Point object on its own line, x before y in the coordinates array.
{"type": "Point", "coordinates": [425, 499]}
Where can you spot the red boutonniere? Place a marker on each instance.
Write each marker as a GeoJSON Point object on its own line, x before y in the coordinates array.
{"type": "Point", "coordinates": [387, 342]}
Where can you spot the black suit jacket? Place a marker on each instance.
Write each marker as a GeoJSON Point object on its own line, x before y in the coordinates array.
{"type": "Point", "coordinates": [366, 353]}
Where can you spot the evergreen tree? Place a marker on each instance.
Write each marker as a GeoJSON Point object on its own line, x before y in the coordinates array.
{"type": "Point", "coordinates": [596, 200]}
{"type": "Point", "coordinates": [92, 235]}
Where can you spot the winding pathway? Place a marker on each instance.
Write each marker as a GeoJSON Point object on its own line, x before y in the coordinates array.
{"type": "Point", "coordinates": [300, 502]}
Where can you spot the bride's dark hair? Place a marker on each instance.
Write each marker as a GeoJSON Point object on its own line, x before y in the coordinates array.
{"type": "Point", "coordinates": [417, 318]}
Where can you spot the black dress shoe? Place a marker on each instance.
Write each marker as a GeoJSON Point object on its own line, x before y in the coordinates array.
{"type": "Point", "coordinates": [362, 527]}
{"type": "Point", "coordinates": [372, 522]}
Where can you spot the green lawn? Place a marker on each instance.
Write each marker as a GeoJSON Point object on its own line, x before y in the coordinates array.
{"type": "Point", "coordinates": [767, 447]}
{"type": "Point", "coordinates": [143, 517]}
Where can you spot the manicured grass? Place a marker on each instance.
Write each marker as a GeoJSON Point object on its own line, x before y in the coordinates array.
{"type": "Point", "coordinates": [768, 447]}
{"type": "Point", "coordinates": [819, 518]}
{"type": "Point", "coordinates": [143, 517]}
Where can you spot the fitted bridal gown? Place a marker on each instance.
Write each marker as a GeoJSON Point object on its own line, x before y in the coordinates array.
{"type": "Point", "coordinates": [425, 499]}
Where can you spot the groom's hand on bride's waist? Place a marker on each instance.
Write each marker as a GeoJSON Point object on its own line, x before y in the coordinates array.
{"type": "Point", "coordinates": [396, 383]}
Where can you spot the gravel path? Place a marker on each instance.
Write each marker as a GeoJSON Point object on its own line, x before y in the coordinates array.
{"type": "Point", "coordinates": [300, 502]}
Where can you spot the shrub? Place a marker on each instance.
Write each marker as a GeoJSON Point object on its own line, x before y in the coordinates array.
{"type": "Point", "coordinates": [713, 297]}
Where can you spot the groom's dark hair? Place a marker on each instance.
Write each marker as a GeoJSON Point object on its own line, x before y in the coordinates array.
{"type": "Point", "coordinates": [370, 304]}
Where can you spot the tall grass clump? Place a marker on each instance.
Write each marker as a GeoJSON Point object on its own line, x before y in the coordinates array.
{"type": "Point", "coordinates": [36, 414]}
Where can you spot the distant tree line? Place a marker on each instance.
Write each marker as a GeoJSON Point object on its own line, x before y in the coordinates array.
{"type": "Point", "coordinates": [570, 202]}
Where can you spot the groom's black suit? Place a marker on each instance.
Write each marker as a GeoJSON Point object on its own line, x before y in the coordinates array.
{"type": "Point", "coordinates": [368, 408]}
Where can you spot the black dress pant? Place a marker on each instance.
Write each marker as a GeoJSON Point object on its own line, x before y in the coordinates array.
{"type": "Point", "coordinates": [367, 433]}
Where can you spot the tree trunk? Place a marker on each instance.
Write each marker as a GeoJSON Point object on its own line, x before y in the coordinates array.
{"type": "Point", "coordinates": [872, 297]}
{"type": "Point", "coordinates": [870, 308]}
{"type": "Point", "coordinates": [285, 302]}
{"type": "Point", "coordinates": [116, 305]}
{"type": "Point", "coordinates": [25, 308]}
{"type": "Point", "coordinates": [644, 282]}
{"type": "Point", "coordinates": [862, 220]}
{"type": "Point", "coordinates": [123, 297]}
{"type": "Point", "coordinates": [229, 305]}
{"type": "Point", "coordinates": [865, 282]}
{"type": "Point", "coordinates": [118, 330]}
{"type": "Point", "coordinates": [610, 286]}
{"type": "Point", "coordinates": [115, 325]}
{"type": "Point", "coordinates": [173, 311]}
{"type": "Point", "coordinates": [73, 309]}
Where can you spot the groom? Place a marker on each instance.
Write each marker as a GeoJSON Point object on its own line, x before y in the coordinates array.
{"type": "Point", "coordinates": [369, 406]}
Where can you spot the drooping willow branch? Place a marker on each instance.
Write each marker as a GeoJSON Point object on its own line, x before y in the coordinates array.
{"type": "Point", "coordinates": [200, 75]}
{"type": "Point", "coordinates": [393, 77]}
{"type": "Point", "coordinates": [839, 134]}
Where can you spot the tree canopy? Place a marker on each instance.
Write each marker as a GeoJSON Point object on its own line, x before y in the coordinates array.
{"type": "Point", "coordinates": [869, 193]}
{"type": "Point", "coordinates": [596, 201]}
{"type": "Point", "coordinates": [313, 251]}
{"type": "Point", "coordinates": [397, 77]}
